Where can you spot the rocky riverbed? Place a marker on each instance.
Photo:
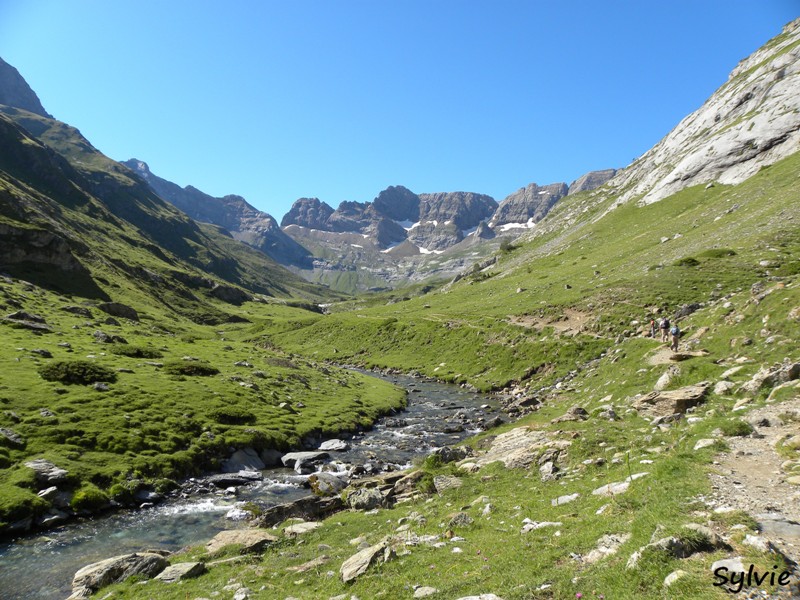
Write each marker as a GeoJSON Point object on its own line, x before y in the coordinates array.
{"type": "Point", "coordinates": [437, 415]}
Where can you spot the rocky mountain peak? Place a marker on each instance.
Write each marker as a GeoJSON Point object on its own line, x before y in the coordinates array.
{"type": "Point", "coordinates": [398, 203]}
{"type": "Point", "coordinates": [527, 205]}
{"type": "Point", "coordinates": [752, 121]}
{"type": "Point", "coordinates": [308, 212]}
{"type": "Point", "coordinates": [245, 222]}
{"type": "Point", "coordinates": [15, 91]}
{"type": "Point", "coordinates": [590, 181]}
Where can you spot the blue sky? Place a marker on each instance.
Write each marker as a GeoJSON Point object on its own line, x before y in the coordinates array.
{"type": "Point", "coordinates": [340, 99]}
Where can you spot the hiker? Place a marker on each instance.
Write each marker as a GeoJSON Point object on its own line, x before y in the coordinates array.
{"type": "Point", "coordinates": [664, 329]}
{"type": "Point", "coordinates": [675, 331]}
{"type": "Point", "coordinates": [653, 328]}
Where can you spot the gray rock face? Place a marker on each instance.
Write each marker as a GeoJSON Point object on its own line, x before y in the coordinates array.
{"type": "Point", "coordinates": [590, 181]}
{"type": "Point", "coordinates": [398, 203]}
{"type": "Point", "coordinates": [753, 120]}
{"type": "Point", "coordinates": [245, 222]}
{"type": "Point", "coordinates": [464, 209]}
{"type": "Point", "coordinates": [308, 212]}
{"type": "Point", "coordinates": [15, 91]}
{"type": "Point", "coordinates": [117, 569]}
{"type": "Point", "coordinates": [326, 484]}
{"type": "Point", "coordinates": [528, 204]}
{"type": "Point", "coordinates": [11, 437]}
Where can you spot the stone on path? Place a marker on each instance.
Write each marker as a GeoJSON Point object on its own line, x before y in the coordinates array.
{"type": "Point", "coordinates": [732, 564]}
{"type": "Point", "coordinates": [673, 401]}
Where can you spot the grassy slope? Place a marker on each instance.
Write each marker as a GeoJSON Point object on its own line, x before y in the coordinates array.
{"type": "Point", "coordinates": [152, 424]}
{"type": "Point", "coordinates": [614, 271]}
{"type": "Point", "coordinates": [496, 556]}
{"type": "Point", "coordinates": [464, 334]}
{"type": "Point", "coordinates": [140, 251]}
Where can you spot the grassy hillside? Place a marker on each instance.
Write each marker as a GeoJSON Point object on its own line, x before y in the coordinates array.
{"type": "Point", "coordinates": [555, 301]}
{"type": "Point", "coordinates": [174, 399]}
{"type": "Point", "coordinates": [490, 552]}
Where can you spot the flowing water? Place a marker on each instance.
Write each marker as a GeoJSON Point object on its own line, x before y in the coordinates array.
{"type": "Point", "coordinates": [41, 567]}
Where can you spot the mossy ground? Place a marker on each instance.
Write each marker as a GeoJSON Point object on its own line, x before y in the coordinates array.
{"type": "Point", "coordinates": [162, 417]}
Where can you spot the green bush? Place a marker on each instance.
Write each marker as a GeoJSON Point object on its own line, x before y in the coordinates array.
{"type": "Point", "coordinates": [90, 498]}
{"type": "Point", "coordinates": [717, 253]}
{"type": "Point", "coordinates": [190, 369]}
{"type": "Point", "coordinates": [688, 261]}
{"type": "Point", "coordinates": [232, 415]}
{"type": "Point", "coordinates": [82, 372]}
{"type": "Point", "coordinates": [136, 352]}
{"type": "Point", "coordinates": [736, 428]}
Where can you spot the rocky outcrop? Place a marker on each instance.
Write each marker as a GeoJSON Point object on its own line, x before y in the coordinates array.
{"type": "Point", "coordinates": [398, 203]}
{"type": "Point", "coordinates": [21, 246]}
{"type": "Point", "coordinates": [590, 181]}
{"type": "Point", "coordinates": [528, 205]}
{"type": "Point", "coordinates": [464, 209]}
{"type": "Point", "coordinates": [116, 569]}
{"type": "Point", "coordinates": [117, 309]}
{"type": "Point", "coordinates": [752, 121]}
{"type": "Point", "coordinates": [15, 91]}
{"type": "Point", "coordinates": [308, 212]}
{"type": "Point", "coordinates": [245, 222]}
{"type": "Point", "coordinates": [248, 540]}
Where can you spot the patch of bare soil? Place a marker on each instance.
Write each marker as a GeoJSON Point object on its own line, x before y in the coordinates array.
{"type": "Point", "coordinates": [571, 322]}
{"type": "Point", "coordinates": [750, 476]}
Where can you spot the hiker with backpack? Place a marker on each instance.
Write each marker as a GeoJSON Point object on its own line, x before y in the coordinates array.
{"type": "Point", "coordinates": [664, 326]}
{"type": "Point", "coordinates": [675, 331]}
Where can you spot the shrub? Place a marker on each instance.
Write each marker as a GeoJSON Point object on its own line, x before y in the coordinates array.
{"type": "Point", "coordinates": [736, 428]}
{"type": "Point", "coordinates": [136, 352]}
{"type": "Point", "coordinates": [90, 498]}
{"type": "Point", "coordinates": [192, 369]}
{"type": "Point", "coordinates": [717, 253]}
{"type": "Point", "coordinates": [688, 261]}
{"type": "Point", "coordinates": [82, 372]}
{"type": "Point", "coordinates": [232, 415]}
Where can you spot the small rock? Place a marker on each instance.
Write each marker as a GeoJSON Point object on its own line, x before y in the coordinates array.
{"type": "Point", "coordinates": [446, 482]}
{"type": "Point", "coordinates": [673, 577]}
{"type": "Point", "coordinates": [704, 443]}
{"type": "Point", "coordinates": [564, 499]}
{"type": "Point", "coordinates": [425, 591]}
{"type": "Point", "coordinates": [181, 571]}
